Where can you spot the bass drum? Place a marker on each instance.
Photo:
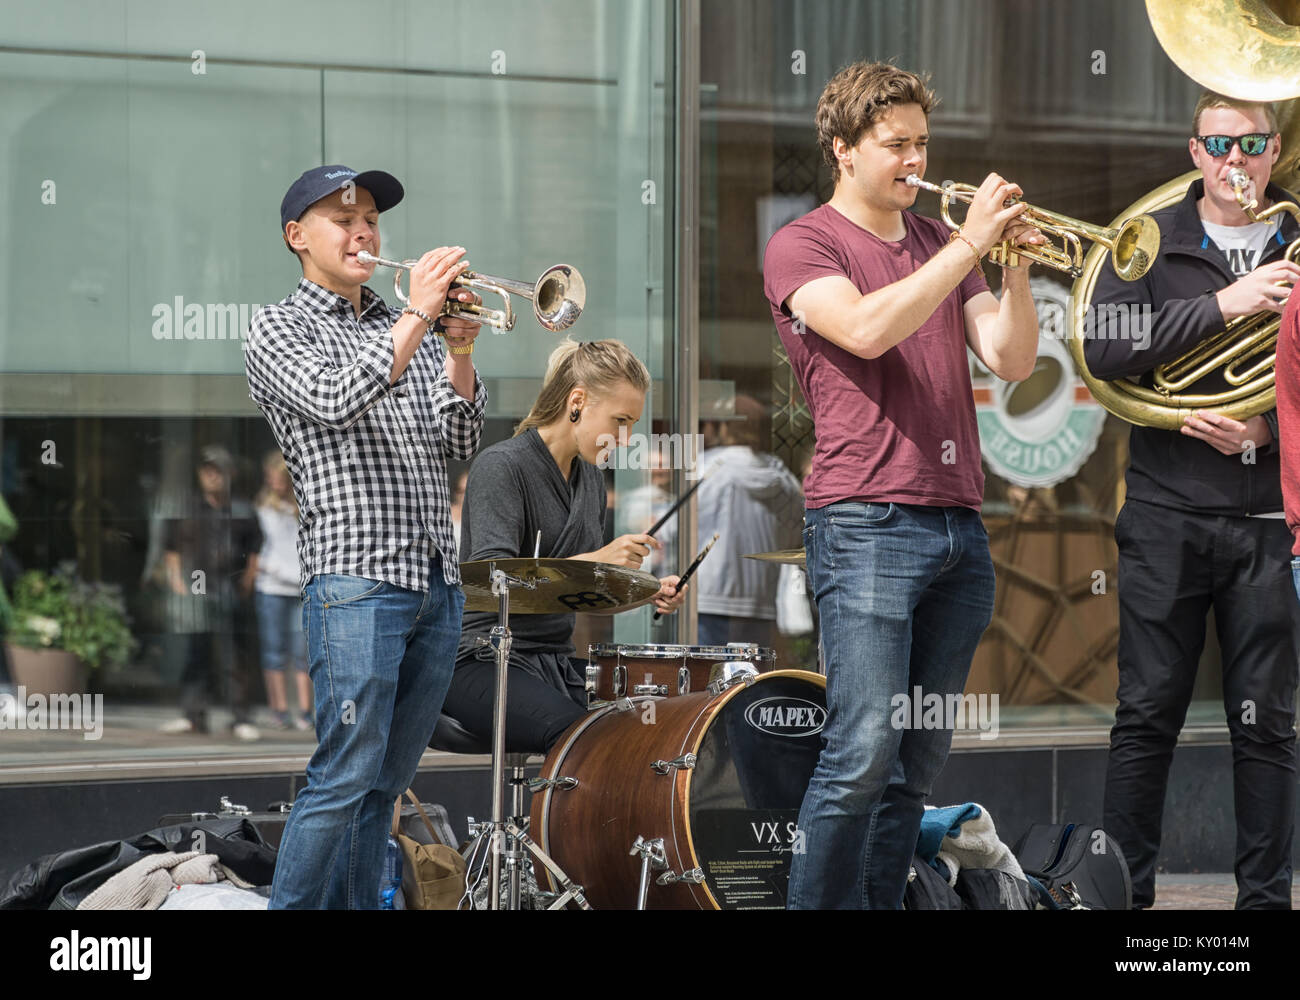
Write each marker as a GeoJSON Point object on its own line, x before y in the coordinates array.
{"type": "Point", "coordinates": [719, 777]}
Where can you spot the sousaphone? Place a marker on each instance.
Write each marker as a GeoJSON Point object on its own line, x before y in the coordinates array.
{"type": "Point", "coordinates": [1264, 39]}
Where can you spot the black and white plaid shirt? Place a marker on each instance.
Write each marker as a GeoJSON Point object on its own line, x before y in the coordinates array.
{"type": "Point", "coordinates": [367, 459]}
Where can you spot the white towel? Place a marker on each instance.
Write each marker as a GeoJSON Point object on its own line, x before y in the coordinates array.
{"type": "Point", "coordinates": [977, 846]}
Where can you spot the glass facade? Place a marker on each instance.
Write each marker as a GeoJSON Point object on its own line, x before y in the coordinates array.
{"type": "Point", "coordinates": [146, 147]}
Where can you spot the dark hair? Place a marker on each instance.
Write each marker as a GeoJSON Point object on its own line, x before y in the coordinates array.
{"type": "Point", "coordinates": [860, 95]}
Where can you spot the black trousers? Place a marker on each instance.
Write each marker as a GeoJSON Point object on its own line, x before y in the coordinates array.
{"type": "Point", "coordinates": [1173, 568]}
{"type": "Point", "coordinates": [545, 695]}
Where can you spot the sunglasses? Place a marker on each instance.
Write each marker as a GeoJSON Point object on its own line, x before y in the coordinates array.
{"type": "Point", "coordinates": [1221, 145]}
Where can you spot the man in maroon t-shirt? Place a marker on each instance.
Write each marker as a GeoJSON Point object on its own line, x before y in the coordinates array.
{"type": "Point", "coordinates": [876, 307]}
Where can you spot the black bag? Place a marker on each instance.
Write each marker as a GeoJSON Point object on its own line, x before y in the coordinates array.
{"type": "Point", "coordinates": [928, 890]}
{"type": "Point", "coordinates": [270, 824]}
{"type": "Point", "coordinates": [1081, 867]}
{"type": "Point", "coordinates": [992, 889]}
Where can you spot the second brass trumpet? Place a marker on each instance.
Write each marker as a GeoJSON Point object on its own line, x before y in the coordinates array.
{"type": "Point", "coordinates": [558, 296]}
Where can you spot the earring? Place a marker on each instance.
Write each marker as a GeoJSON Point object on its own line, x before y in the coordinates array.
{"type": "Point", "coordinates": [573, 416]}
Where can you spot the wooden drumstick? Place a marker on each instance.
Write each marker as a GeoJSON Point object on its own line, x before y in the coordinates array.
{"type": "Point", "coordinates": [676, 507]}
{"type": "Point", "coordinates": [691, 569]}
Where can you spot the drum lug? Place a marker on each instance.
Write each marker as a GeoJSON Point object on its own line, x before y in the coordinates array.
{"type": "Point", "coordinates": [683, 680]}
{"type": "Point", "coordinates": [651, 689]}
{"type": "Point", "coordinates": [728, 675]}
{"type": "Point", "coordinates": [593, 676]}
{"type": "Point", "coordinates": [620, 680]}
{"type": "Point", "coordinates": [623, 705]}
{"type": "Point", "coordinates": [686, 760]}
{"type": "Point", "coordinates": [694, 876]}
{"type": "Point", "coordinates": [537, 784]}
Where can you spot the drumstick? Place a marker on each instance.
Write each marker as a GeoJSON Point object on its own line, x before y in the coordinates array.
{"type": "Point", "coordinates": [676, 507]}
{"type": "Point", "coordinates": [691, 569]}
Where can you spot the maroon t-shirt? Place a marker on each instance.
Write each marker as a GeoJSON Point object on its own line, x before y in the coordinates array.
{"type": "Point", "coordinates": [899, 428]}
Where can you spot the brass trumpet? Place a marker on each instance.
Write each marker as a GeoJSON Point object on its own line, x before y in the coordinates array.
{"type": "Point", "coordinates": [1133, 245]}
{"type": "Point", "coordinates": [558, 296]}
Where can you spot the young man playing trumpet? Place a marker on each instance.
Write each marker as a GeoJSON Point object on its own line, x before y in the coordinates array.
{"type": "Point", "coordinates": [1201, 526]}
{"type": "Point", "coordinates": [365, 405]}
{"type": "Point", "coordinates": [876, 307]}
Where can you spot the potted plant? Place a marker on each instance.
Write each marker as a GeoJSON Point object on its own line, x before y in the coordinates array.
{"type": "Point", "coordinates": [63, 627]}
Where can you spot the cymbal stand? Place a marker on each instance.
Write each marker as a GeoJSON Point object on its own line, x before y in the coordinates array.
{"type": "Point", "coordinates": [506, 837]}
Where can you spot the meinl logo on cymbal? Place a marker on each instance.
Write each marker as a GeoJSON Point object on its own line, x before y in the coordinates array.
{"type": "Point", "coordinates": [789, 717]}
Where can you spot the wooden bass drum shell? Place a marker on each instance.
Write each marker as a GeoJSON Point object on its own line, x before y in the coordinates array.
{"type": "Point", "coordinates": [757, 745]}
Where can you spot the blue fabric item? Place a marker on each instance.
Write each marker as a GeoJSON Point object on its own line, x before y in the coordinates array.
{"type": "Point", "coordinates": [939, 823]}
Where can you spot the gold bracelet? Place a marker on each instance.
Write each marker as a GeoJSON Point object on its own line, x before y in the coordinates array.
{"type": "Point", "coordinates": [957, 235]}
{"type": "Point", "coordinates": [466, 349]}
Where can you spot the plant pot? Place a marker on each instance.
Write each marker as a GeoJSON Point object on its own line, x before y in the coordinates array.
{"type": "Point", "coordinates": [47, 671]}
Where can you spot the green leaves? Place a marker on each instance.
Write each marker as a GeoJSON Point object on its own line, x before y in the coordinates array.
{"type": "Point", "coordinates": [59, 611]}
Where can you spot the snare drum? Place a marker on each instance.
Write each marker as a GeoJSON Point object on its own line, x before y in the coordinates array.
{"type": "Point", "coordinates": [717, 778]}
{"type": "Point", "coordinates": [623, 671]}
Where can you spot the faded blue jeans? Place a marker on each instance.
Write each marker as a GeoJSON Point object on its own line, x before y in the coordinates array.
{"type": "Point", "coordinates": [380, 659]}
{"type": "Point", "coordinates": [904, 593]}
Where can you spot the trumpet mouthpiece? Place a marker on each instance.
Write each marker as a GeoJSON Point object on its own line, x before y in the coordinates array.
{"type": "Point", "coordinates": [913, 180]}
{"type": "Point", "coordinates": [1238, 178]}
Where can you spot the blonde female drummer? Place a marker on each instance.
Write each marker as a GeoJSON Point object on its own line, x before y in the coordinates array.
{"type": "Point", "coordinates": [547, 479]}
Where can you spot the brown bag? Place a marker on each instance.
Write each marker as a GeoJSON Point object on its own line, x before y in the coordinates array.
{"type": "Point", "coordinates": [433, 875]}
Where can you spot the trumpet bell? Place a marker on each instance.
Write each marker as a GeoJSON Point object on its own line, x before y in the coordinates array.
{"type": "Point", "coordinates": [1136, 244]}
{"type": "Point", "coordinates": [559, 297]}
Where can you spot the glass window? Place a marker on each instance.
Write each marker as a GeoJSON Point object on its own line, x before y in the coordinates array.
{"type": "Point", "coordinates": [149, 148]}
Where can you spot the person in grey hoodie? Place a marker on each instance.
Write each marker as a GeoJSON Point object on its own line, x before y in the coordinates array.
{"type": "Point", "coordinates": [754, 504]}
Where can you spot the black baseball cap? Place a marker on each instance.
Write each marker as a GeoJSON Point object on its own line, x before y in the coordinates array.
{"type": "Point", "coordinates": [318, 182]}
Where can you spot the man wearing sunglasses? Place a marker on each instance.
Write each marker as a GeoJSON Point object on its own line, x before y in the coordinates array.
{"type": "Point", "coordinates": [1202, 526]}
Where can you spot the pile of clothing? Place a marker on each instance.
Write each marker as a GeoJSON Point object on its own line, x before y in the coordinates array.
{"type": "Point", "coordinates": [209, 864]}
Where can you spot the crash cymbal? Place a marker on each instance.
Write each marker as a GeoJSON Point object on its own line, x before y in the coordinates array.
{"type": "Point", "coordinates": [790, 557]}
{"type": "Point", "coordinates": [564, 586]}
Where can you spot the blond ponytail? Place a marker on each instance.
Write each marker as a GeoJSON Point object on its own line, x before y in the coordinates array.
{"type": "Point", "coordinates": [599, 366]}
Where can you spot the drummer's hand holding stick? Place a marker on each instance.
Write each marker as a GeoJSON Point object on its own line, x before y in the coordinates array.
{"type": "Point", "coordinates": [625, 550]}
{"type": "Point", "coordinates": [671, 596]}
{"type": "Point", "coordinates": [690, 571]}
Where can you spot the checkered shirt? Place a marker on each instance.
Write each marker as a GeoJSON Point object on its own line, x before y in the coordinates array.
{"type": "Point", "coordinates": [367, 459]}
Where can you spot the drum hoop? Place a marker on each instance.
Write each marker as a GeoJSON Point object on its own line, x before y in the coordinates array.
{"type": "Point", "coordinates": [654, 651]}
{"type": "Point", "coordinates": [695, 739]}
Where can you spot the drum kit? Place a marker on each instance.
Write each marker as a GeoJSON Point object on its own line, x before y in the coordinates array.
{"type": "Point", "coordinates": [681, 786]}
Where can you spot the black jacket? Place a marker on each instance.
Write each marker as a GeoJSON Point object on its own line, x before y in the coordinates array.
{"type": "Point", "coordinates": [1168, 467]}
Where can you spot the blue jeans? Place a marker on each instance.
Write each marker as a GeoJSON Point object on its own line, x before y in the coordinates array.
{"type": "Point", "coordinates": [279, 627]}
{"type": "Point", "coordinates": [381, 658]}
{"type": "Point", "coordinates": [904, 593]}
{"type": "Point", "coordinates": [1295, 574]}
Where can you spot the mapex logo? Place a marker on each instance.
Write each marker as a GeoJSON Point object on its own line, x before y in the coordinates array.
{"type": "Point", "coordinates": [791, 717]}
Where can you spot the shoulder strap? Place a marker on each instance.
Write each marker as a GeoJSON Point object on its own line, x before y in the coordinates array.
{"type": "Point", "coordinates": [423, 815]}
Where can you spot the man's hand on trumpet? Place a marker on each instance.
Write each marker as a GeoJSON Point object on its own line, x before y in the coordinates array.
{"type": "Point", "coordinates": [991, 220]}
{"type": "Point", "coordinates": [431, 287]}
